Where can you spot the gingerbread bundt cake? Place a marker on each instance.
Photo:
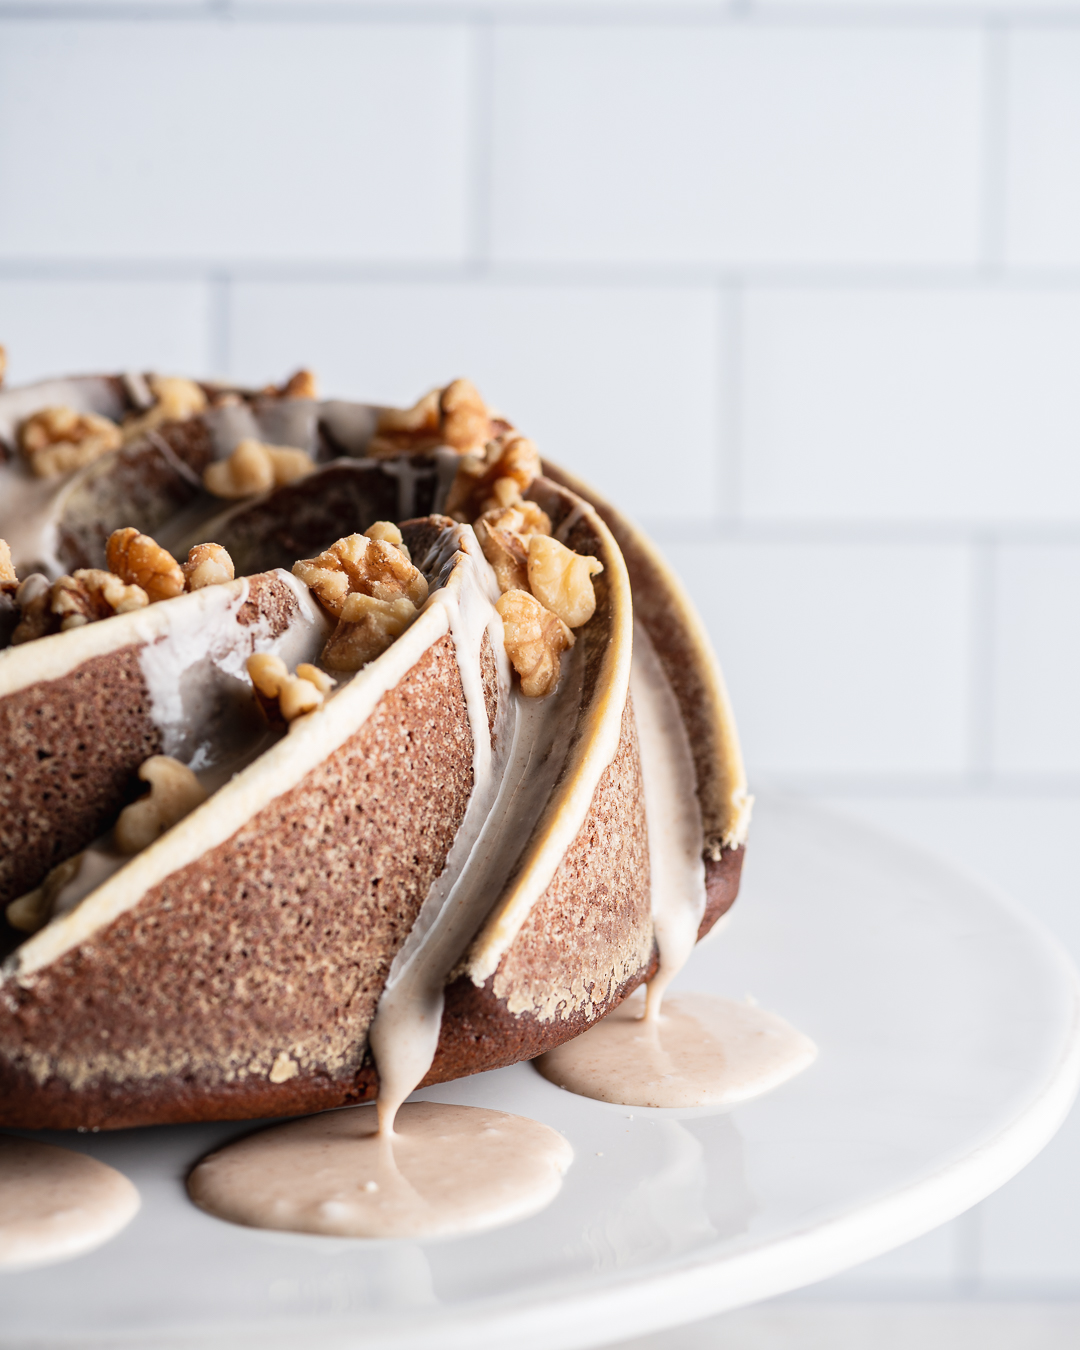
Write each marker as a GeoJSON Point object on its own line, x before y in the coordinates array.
{"type": "Point", "coordinates": [373, 666]}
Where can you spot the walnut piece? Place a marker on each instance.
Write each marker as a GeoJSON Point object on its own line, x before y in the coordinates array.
{"type": "Point", "coordinates": [534, 638]}
{"type": "Point", "coordinates": [366, 628]}
{"type": "Point", "coordinates": [256, 467]}
{"type": "Point", "coordinates": [141, 561]}
{"type": "Point", "coordinates": [455, 416]}
{"type": "Point", "coordinates": [284, 697]}
{"type": "Point", "coordinates": [389, 533]}
{"type": "Point", "coordinates": [357, 563]}
{"type": "Point", "coordinates": [90, 594]}
{"type": "Point", "coordinates": [7, 571]}
{"type": "Point", "coordinates": [36, 619]}
{"type": "Point", "coordinates": [177, 400]}
{"type": "Point", "coordinates": [207, 565]}
{"type": "Point", "coordinates": [300, 385]}
{"type": "Point", "coordinates": [174, 793]}
{"type": "Point", "coordinates": [34, 909]}
{"type": "Point", "coordinates": [504, 534]}
{"type": "Point", "coordinates": [562, 580]}
{"type": "Point", "coordinates": [496, 478]}
{"type": "Point", "coordinates": [58, 440]}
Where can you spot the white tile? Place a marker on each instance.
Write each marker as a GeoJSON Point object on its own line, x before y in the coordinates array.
{"type": "Point", "coordinates": [615, 383]}
{"type": "Point", "coordinates": [1021, 845]}
{"type": "Point", "coordinates": [64, 327]}
{"type": "Point", "coordinates": [1037, 722]}
{"type": "Point", "coordinates": [217, 140]}
{"type": "Point", "coordinates": [840, 658]}
{"type": "Point", "coordinates": [912, 404]}
{"type": "Point", "coordinates": [763, 144]}
{"type": "Point", "coordinates": [1043, 147]}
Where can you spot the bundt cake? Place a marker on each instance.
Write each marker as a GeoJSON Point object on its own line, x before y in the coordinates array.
{"type": "Point", "coordinates": [319, 761]}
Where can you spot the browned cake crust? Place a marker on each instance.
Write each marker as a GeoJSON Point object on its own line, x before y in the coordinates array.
{"type": "Point", "coordinates": [70, 750]}
{"type": "Point", "coordinates": [586, 944]}
{"type": "Point", "coordinates": [280, 937]}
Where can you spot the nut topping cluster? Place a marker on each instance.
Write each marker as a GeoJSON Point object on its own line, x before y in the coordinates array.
{"type": "Point", "coordinates": [547, 588]}
{"type": "Point", "coordinates": [369, 583]}
{"type": "Point", "coordinates": [140, 572]}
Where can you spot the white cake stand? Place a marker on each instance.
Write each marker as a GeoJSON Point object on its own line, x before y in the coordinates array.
{"type": "Point", "coordinates": [947, 1024]}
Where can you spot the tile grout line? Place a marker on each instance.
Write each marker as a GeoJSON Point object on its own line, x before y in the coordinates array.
{"type": "Point", "coordinates": [995, 165]}
{"type": "Point", "coordinates": [967, 1253]}
{"type": "Point", "coordinates": [219, 338]}
{"type": "Point", "coordinates": [982, 657]}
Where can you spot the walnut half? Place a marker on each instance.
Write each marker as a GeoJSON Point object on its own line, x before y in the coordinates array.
{"type": "Point", "coordinates": [255, 467]}
{"type": "Point", "coordinates": [207, 565]}
{"type": "Point", "coordinates": [284, 697]}
{"type": "Point", "coordinates": [90, 594]}
{"type": "Point", "coordinates": [366, 628]}
{"type": "Point", "coordinates": [58, 440]}
{"type": "Point", "coordinates": [562, 579]}
{"type": "Point", "coordinates": [174, 793]}
{"type": "Point", "coordinates": [535, 639]}
{"type": "Point", "coordinates": [362, 564]}
{"type": "Point", "coordinates": [141, 561]}
{"type": "Point", "coordinates": [455, 416]}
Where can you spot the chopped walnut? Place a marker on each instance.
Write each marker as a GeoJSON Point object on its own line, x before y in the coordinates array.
{"type": "Point", "coordinates": [174, 793]}
{"type": "Point", "coordinates": [177, 401]}
{"type": "Point", "coordinates": [534, 639]}
{"type": "Point", "coordinates": [141, 561]}
{"type": "Point", "coordinates": [90, 594]}
{"type": "Point", "coordinates": [57, 440]}
{"type": "Point", "coordinates": [33, 910]}
{"type": "Point", "coordinates": [7, 571]}
{"type": "Point", "coordinates": [207, 565]}
{"type": "Point", "coordinates": [466, 423]}
{"type": "Point", "coordinates": [455, 416]}
{"type": "Point", "coordinates": [36, 619]}
{"type": "Point", "coordinates": [367, 627]}
{"type": "Point", "coordinates": [389, 533]}
{"type": "Point", "coordinates": [496, 478]}
{"type": "Point", "coordinates": [373, 567]}
{"type": "Point", "coordinates": [284, 697]}
{"type": "Point", "coordinates": [301, 385]}
{"type": "Point", "coordinates": [504, 534]}
{"type": "Point", "coordinates": [256, 467]}
{"type": "Point", "coordinates": [562, 580]}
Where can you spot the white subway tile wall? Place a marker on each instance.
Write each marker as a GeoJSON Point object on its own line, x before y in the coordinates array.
{"type": "Point", "coordinates": [795, 283]}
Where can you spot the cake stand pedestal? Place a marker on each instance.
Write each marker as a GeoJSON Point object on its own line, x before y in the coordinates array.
{"type": "Point", "coordinates": [948, 1029]}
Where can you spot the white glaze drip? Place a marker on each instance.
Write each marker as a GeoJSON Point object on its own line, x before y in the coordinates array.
{"type": "Point", "coordinates": [448, 1170]}
{"type": "Point", "coordinates": [700, 1050]}
{"type": "Point", "coordinates": [56, 1203]}
{"type": "Point", "coordinates": [405, 1032]}
{"type": "Point", "coordinates": [676, 865]}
